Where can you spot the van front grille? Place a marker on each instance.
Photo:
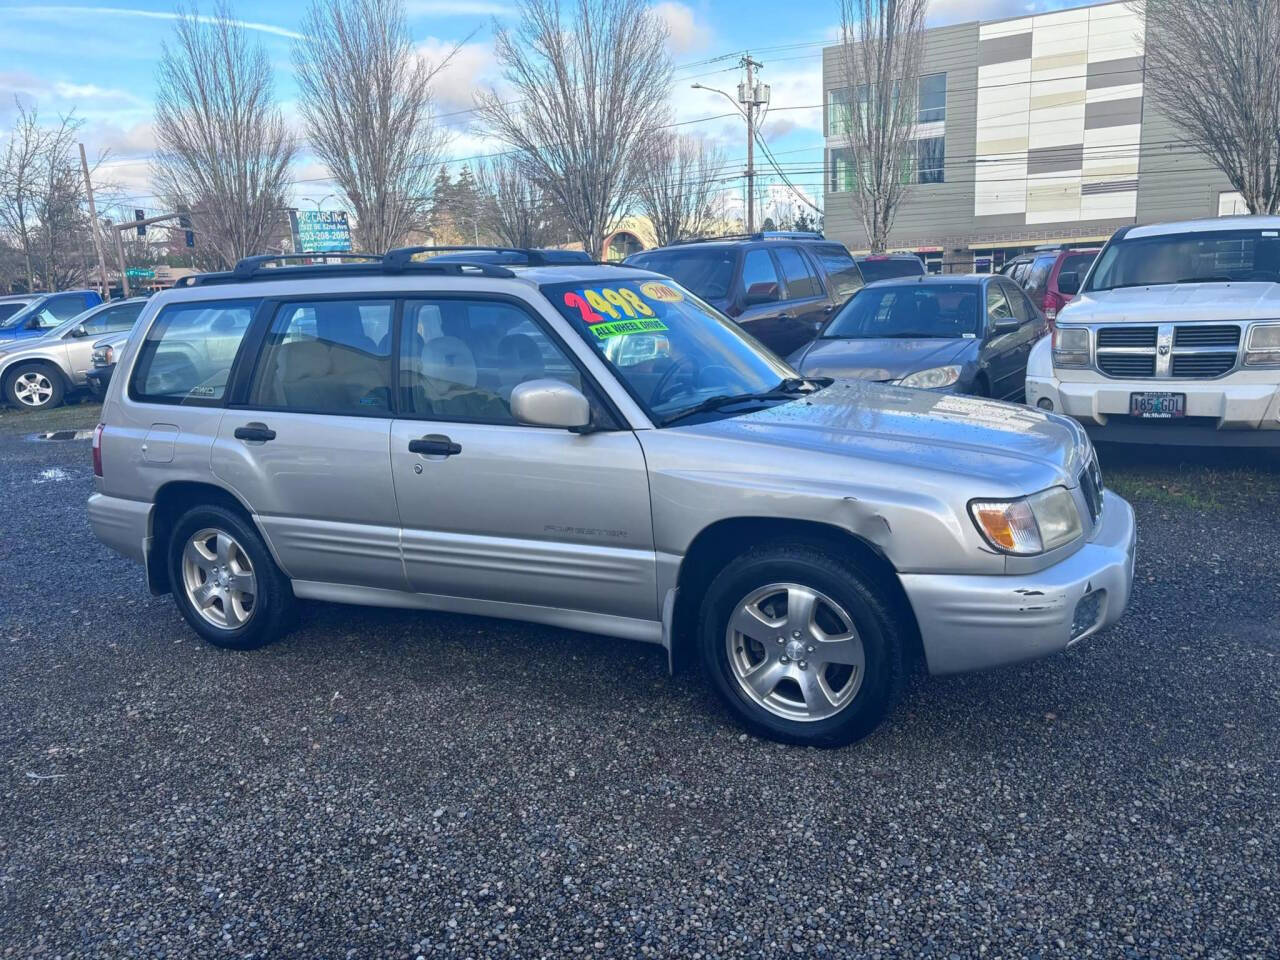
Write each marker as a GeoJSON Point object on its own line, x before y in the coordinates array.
{"type": "Point", "coordinates": [1127, 364]}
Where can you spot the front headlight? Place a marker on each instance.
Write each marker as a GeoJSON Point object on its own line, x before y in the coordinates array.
{"type": "Point", "coordinates": [103, 356]}
{"type": "Point", "coordinates": [1070, 347]}
{"type": "Point", "coordinates": [1263, 349]}
{"type": "Point", "coordinates": [1029, 525]}
{"type": "Point", "coordinates": [932, 378]}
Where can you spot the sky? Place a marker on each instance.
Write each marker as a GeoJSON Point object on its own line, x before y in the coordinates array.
{"type": "Point", "coordinates": [100, 60]}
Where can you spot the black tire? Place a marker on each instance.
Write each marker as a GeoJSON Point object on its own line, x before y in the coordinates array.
{"type": "Point", "coordinates": [273, 601]}
{"type": "Point", "coordinates": [57, 387]}
{"type": "Point", "coordinates": [867, 601]}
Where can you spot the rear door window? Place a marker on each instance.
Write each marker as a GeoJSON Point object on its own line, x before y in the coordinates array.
{"type": "Point", "coordinates": [327, 356]}
{"type": "Point", "coordinates": [187, 355]}
{"type": "Point", "coordinates": [1038, 276]}
{"type": "Point", "coordinates": [802, 284]}
{"type": "Point", "coordinates": [845, 279]}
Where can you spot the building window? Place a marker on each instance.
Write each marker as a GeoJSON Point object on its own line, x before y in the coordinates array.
{"type": "Point", "coordinates": [838, 112]}
{"type": "Point", "coordinates": [931, 154]}
{"type": "Point", "coordinates": [839, 170]}
{"type": "Point", "coordinates": [933, 98]}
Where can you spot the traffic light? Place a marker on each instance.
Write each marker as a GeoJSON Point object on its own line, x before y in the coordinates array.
{"type": "Point", "coordinates": [140, 215]}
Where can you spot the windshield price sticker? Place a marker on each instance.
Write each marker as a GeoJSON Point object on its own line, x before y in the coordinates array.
{"type": "Point", "coordinates": [596, 306]}
{"type": "Point", "coordinates": [661, 292]}
{"type": "Point", "coordinates": [620, 328]}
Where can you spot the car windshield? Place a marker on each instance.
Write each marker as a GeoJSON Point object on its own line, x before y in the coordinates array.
{"type": "Point", "coordinates": [671, 351]}
{"type": "Point", "coordinates": [889, 268]}
{"type": "Point", "coordinates": [9, 309]}
{"type": "Point", "coordinates": [1216, 257]}
{"type": "Point", "coordinates": [708, 271]}
{"type": "Point", "coordinates": [22, 316]}
{"type": "Point", "coordinates": [934, 310]}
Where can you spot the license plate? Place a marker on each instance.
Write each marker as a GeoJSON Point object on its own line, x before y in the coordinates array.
{"type": "Point", "coordinates": [1157, 406]}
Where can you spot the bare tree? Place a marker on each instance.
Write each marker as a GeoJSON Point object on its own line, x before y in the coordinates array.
{"type": "Point", "coordinates": [881, 42]}
{"type": "Point", "coordinates": [224, 151]}
{"type": "Point", "coordinates": [514, 206]}
{"type": "Point", "coordinates": [677, 186]}
{"type": "Point", "coordinates": [1212, 69]}
{"type": "Point", "coordinates": [42, 200]}
{"type": "Point", "coordinates": [586, 90]}
{"type": "Point", "coordinates": [365, 96]}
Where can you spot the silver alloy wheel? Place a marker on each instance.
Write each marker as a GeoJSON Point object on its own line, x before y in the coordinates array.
{"type": "Point", "coordinates": [32, 388]}
{"type": "Point", "coordinates": [218, 579]}
{"type": "Point", "coordinates": [795, 652]}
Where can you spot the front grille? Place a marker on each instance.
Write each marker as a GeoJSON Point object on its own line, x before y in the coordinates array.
{"type": "Point", "coordinates": [1091, 487]}
{"type": "Point", "coordinates": [1194, 366]}
{"type": "Point", "coordinates": [1127, 364]}
{"type": "Point", "coordinates": [1203, 336]}
{"type": "Point", "coordinates": [1126, 337]}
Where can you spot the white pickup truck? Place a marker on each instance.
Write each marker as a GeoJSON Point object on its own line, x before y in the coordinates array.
{"type": "Point", "coordinates": [1174, 338]}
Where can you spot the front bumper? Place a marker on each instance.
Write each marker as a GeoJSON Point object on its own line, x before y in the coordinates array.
{"type": "Point", "coordinates": [974, 622]}
{"type": "Point", "coordinates": [1220, 412]}
{"type": "Point", "coordinates": [98, 378]}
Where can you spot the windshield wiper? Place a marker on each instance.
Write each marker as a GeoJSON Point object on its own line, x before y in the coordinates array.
{"type": "Point", "coordinates": [787, 389]}
{"type": "Point", "coordinates": [1216, 279]}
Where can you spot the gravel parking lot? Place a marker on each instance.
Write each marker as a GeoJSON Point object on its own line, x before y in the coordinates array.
{"type": "Point", "coordinates": [398, 784]}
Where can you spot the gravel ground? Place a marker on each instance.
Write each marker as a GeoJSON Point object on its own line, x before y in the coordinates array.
{"type": "Point", "coordinates": [400, 784]}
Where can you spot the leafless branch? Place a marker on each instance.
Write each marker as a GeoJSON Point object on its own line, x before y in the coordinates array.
{"type": "Point", "coordinates": [881, 42]}
{"type": "Point", "coordinates": [224, 149]}
{"type": "Point", "coordinates": [365, 96]}
{"type": "Point", "coordinates": [586, 91]}
{"type": "Point", "coordinates": [1212, 69]}
{"type": "Point", "coordinates": [677, 185]}
{"type": "Point", "coordinates": [514, 207]}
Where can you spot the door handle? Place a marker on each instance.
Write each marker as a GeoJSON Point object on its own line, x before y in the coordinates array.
{"type": "Point", "coordinates": [255, 431]}
{"type": "Point", "coordinates": [435, 445]}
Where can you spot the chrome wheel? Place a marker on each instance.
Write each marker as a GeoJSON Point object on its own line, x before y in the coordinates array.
{"type": "Point", "coordinates": [218, 579]}
{"type": "Point", "coordinates": [795, 652]}
{"type": "Point", "coordinates": [33, 388]}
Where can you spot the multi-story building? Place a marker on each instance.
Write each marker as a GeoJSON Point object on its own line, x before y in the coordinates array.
{"type": "Point", "coordinates": [1030, 131]}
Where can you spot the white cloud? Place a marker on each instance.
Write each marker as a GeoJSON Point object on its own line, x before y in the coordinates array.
{"type": "Point", "coordinates": [943, 12]}
{"type": "Point", "coordinates": [684, 31]}
{"type": "Point", "coordinates": [60, 12]}
{"type": "Point", "coordinates": [458, 8]}
{"type": "Point", "coordinates": [454, 88]}
{"type": "Point", "coordinates": [91, 91]}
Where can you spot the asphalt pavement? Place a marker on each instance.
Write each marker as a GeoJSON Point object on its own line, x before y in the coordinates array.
{"type": "Point", "coordinates": [398, 784]}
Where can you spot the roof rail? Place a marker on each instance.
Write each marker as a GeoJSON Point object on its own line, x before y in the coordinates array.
{"type": "Point", "coordinates": [246, 267]}
{"type": "Point", "coordinates": [526, 256]}
{"type": "Point", "coordinates": [253, 269]}
{"type": "Point", "coordinates": [758, 235]}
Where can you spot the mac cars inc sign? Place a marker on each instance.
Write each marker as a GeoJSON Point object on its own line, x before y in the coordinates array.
{"type": "Point", "coordinates": [321, 231]}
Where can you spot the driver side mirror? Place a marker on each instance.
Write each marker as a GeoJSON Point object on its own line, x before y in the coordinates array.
{"type": "Point", "coordinates": [1069, 283]}
{"type": "Point", "coordinates": [79, 331]}
{"type": "Point", "coordinates": [1004, 325]}
{"type": "Point", "coordinates": [764, 292]}
{"type": "Point", "coordinates": [550, 403]}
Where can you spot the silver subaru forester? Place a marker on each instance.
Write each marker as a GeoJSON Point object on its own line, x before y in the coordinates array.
{"type": "Point", "coordinates": [591, 446]}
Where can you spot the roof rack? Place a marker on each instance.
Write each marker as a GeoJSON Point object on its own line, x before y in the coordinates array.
{"type": "Point", "coordinates": [524, 256]}
{"type": "Point", "coordinates": [257, 268]}
{"type": "Point", "coordinates": [758, 235]}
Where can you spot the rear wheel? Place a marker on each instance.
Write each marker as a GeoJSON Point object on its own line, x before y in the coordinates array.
{"type": "Point", "coordinates": [33, 386]}
{"type": "Point", "coordinates": [224, 580]}
{"type": "Point", "coordinates": [802, 645]}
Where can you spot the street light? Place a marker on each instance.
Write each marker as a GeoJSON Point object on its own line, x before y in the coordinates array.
{"type": "Point", "coordinates": [320, 203]}
{"type": "Point", "coordinates": [749, 96]}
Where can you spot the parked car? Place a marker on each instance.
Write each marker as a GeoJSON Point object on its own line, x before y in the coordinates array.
{"type": "Point", "coordinates": [468, 437]}
{"type": "Point", "coordinates": [12, 304]}
{"type": "Point", "coordinates": [103, 359]}
{"type": "Point", "coordinates": [959, 334]}
{"type": "Point", "coordinates": [889, 266]}
{"type": "Point", "coordinates": [1175, 337]}
{"type": "Point", "coordinates": [1039, 274]}
{"type": "Point", "coordinates": [779, 288]}
{"type": "Point", "coordinates": [37, 374]}
{"type": "Point", "coordinates": [45, 312]}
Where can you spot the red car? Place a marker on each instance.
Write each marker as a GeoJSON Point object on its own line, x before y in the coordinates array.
{"type": "Point", "coordinates": [1039, 273]}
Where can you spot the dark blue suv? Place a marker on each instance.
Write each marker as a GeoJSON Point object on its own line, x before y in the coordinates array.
{"type": "Point", "coordinates": [45, 312]}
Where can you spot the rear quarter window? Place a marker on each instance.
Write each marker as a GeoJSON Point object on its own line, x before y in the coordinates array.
{"type": "Point", "coordinates": [1038, 276]}
{"type": "Point", "coordinates": [187, 355]}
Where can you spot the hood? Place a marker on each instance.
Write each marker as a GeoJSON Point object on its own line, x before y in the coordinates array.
{"type": "Point", "coordinates": [1008, 446]}
{"type": "Point", "coordinates": [1175, 301]}
{"type": "Point", "coordinates": [888, 359]}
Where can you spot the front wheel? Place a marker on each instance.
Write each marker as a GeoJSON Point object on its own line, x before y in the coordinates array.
{"type": "Point", "coordinates": [802, 645]}
{"type": "Point", "coordinates": [224, 580]}
{"type": "Point", "coordinates": [33, 386]}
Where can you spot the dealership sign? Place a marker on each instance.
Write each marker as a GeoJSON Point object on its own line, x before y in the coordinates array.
{"type": "Point", "coordinates": [321, 231]}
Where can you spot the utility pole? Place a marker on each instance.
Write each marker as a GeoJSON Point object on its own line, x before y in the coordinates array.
{"type": "Point", "coordinates": [93, 226]}
{"type": "Point", "coordinates": [751, 97]}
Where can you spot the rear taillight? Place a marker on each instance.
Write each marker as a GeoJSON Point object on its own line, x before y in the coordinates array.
{"type": "Point", "coordinates": [1053, 302]}
{"type": "Point", "coordinates": [97, 450]}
